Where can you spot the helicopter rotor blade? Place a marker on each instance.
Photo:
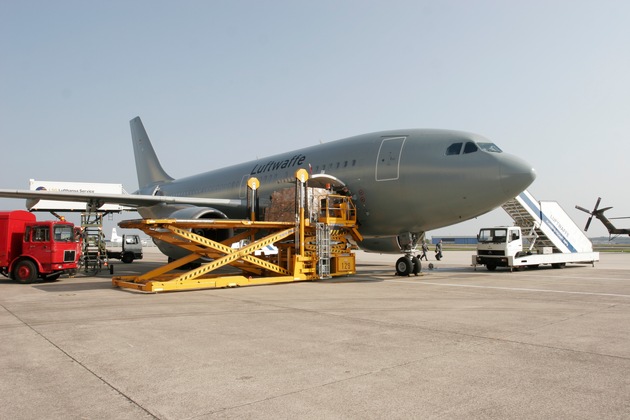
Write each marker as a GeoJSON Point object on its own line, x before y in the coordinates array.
{"type": "Point", "coordinates": [588, 223]}
{"type": "Point", "coordinates": [583, 209]}
{"type": "Point", "coordinates": [592, 213]}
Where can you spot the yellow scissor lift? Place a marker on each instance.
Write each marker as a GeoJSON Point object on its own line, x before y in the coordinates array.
{"type": "Point", "coordinates": [313, 247]}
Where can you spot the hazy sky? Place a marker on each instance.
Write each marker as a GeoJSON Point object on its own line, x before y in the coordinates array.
{"type": "Point", "coordinates": [219, 82]}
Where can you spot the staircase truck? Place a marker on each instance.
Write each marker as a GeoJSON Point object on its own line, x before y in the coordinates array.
{"type": "Point", "coordinates": [543, 234]}
{"type": "Point", "coordinates": [30, 249]}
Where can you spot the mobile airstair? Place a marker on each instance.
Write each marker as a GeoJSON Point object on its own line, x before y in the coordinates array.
{"type": "Point", "coordinates": [542, 234]}
{"type": "Point", "coordinates": [545, 224]}
{"type": "Point", "coordinates": [94, 252]}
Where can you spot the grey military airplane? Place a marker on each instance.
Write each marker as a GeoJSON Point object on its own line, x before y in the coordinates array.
{"type": "Point", "coordinates": [599, 214]}
{"type": "Point", "coordinates": [404, 183]}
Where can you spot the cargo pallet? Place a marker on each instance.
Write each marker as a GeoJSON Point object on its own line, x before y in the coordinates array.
{"type": "Point", "coordinates": [318, 245]}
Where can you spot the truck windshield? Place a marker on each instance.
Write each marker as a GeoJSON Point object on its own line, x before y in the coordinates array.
{"type": "Point", "coordinates": [492, 235]}
{"type": "Point", "coordinates": [63, 233]}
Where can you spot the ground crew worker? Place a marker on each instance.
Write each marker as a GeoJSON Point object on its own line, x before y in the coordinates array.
{"type": "Point", "coordinates": [438, 250]}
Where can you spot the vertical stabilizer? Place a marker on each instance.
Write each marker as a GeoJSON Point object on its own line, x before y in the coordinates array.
{"type": "Point", "coordinates": [148, 166]}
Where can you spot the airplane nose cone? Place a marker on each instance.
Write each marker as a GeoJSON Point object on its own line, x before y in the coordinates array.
{"type": "Point", "coordinates": [516, 175]}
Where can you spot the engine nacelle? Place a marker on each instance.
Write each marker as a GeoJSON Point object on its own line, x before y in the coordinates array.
{"type": "Point", "coordinates": [195, 213]}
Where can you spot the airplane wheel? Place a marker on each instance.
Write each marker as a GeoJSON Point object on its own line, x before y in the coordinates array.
{"type": "Point", "coordinates": [417, 266]}
{"type": "Point", "coordinates": [404, 266]}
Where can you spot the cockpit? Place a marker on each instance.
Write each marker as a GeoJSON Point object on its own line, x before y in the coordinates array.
{"type": "Point", "coordinates": [471, 147]}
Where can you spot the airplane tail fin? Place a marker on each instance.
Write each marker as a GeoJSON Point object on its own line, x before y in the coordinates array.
{"type": "Point", "coordinates": [148, 166]}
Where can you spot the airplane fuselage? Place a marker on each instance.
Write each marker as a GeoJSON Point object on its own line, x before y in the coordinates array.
{"type": "Point", "coordinates": [403, 181]}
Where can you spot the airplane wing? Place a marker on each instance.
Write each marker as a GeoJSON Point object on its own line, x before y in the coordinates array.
{"type": "Point", "coordinates": [131, 200]}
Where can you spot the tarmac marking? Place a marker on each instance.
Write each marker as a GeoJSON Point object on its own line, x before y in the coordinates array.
{"type": "Point", "coordinates": [517, 289]}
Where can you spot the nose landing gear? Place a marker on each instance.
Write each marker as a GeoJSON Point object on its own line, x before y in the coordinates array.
{"type": "Point", "coordinates": [407, 265]}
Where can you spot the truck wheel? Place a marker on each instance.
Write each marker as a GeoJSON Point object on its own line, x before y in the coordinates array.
{"type": "Point", "coordinates": [403, 266]}
{"type": "Point", "coordinates": [127, 258]}
{"type": "Point", "coordinates": [25, 272]}
{"type": "Point", "coordinates": [491, 267]}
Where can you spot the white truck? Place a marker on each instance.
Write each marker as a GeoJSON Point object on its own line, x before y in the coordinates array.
{"type": "Point", "coordinates": [543, 234]}
{"type": "Point", "coordinates": [503, 247]}
{"type": "Point", "coordinates": [129, 249]}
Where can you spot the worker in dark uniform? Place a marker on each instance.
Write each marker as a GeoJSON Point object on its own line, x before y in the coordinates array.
{"type": "Point", "coordinates": [425, 249]}
{"type": "Point", "coordinates": [438, 250]}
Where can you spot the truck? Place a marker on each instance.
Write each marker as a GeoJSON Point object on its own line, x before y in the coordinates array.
{"type": "Point", "coordinates": [30, 249]}
{"type": "Point", "coordinates": [129, 249]}
{"type": "Point", "coordinates": [504, 247]}
{"type": "Point", "coordinates": [543, 233]}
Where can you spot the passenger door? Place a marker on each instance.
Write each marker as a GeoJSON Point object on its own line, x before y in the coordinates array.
{"type": "Point", "coordinates": [388, 159]}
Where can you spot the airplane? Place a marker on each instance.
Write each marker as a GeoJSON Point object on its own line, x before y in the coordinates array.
{"type": "Point", "coordinates": [403, 182]}
{"type": "Point", "coordinates": [599, 213]}
{"type": "Point", "coordinates": [115, 239]}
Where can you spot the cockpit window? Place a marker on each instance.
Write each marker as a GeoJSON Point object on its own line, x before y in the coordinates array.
{"type": "Point", "coordinates": [454, 149]}
{"type": "Point", "coordinates": [470, 147]}
{"type": "Point", "coordinates": [489, 147]}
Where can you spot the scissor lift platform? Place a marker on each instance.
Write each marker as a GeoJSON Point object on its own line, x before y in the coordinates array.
{"type": "Point", "coordinates": [307, 249]}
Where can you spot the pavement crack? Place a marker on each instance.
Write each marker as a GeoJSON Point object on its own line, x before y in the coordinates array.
{"type": "Point", "coordinates": [78, 362]}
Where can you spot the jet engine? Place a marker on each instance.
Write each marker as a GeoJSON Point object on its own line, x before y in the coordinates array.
{"type": "Point", "coordinates": [195, 213]}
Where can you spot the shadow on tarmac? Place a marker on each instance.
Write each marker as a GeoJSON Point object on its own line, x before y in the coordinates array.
{"type": "Point", "coordinates": [74, 287]}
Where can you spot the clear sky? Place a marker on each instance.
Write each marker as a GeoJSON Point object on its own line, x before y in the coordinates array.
{"type": "Point", "coordinates": [219, 82]}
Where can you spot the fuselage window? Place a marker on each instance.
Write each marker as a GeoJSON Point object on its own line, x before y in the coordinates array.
{"type": "Point", "coordinates": [489, 147]}
{"type": "Point", "coordinates": [345, 164]}
{"type": "Point", "coordinates": [454, 149]}
{"type": "Point", "coordinates": [354, 162]}
{"type": "Point", "coordinates": [470, 147]}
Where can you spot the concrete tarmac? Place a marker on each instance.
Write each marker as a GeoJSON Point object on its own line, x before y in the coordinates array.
{"type": "Point", "coordinates": [452, 343]}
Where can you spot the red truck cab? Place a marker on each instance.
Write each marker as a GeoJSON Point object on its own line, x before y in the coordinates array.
{"type": "Point", "coordinates": [30, 249]}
